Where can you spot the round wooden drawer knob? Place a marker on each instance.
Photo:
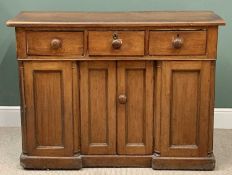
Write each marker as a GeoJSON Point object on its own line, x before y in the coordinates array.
{"type": "Point", "coordinates": [177, 42]}
{"type": "Point", "coordinates": [116, 43]}
{"type": "Point", "coordinates": [122, 99]}
{"type": "Point", "coordinates": [56, 43]}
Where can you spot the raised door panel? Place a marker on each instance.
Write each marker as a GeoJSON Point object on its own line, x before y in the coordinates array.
{"type": "Point", "coordinates": [48, 87]}
{"type": "Point", "coordinates": [135, 107]}
{"type": "Point", "coordinates": [185, 108]}
{"type": "Point", "coordinates": [98, 107]}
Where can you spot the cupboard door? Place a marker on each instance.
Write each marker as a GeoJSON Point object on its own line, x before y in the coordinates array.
{"type": "Point", "coordinates": [98, 107]}
{"type": "Point", "coordinates": [48, 87]}
{"type": "Point", "coordinates": [185, 108]}
{"type": "Point", "coordinates": [135, 107]}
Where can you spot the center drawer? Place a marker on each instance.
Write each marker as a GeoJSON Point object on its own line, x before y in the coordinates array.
{"type": "Point", "coordinates": [116, 43]}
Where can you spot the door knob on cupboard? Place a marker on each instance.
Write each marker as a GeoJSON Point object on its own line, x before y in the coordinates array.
{"type": "Point", "coordinates": [122, 99]}
{"type": "Point", "coordinates": [56, 43]}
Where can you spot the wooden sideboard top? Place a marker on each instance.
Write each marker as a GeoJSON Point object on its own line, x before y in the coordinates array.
{"type": "Point", "coordinates": [109, 19]}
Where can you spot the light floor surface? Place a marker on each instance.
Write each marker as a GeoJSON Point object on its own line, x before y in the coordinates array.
{"type": "Point", "coordinates": [10, 149]}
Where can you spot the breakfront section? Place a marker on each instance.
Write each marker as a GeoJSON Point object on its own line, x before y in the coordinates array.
{"type": "Point", "coordinates": [48, 113]}
{"type": "Point", "coordinates": [48, 108]}
{"type": "Point", "coordinates": [185, 119]}
{"type": "Point", "coordinates": [131, 89]}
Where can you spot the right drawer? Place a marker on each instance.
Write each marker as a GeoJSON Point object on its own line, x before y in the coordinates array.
{"type": "Point", "coordinates": [176, 43]}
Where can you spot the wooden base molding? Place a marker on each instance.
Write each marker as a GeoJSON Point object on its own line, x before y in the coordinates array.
{"type": "Point", "coordinates": [39, 162]}
{"type": "Point", "coordinates": [87, 161]}
{"type": "Point", "coordinates": [183, 163]}
{"type": "Point", "coordinates": [116, 161]}
{"type": "Point", "coordinates": [77, 162]}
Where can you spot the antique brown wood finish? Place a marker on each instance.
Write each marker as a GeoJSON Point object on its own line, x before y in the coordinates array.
{"type": "Point", "coordinates": [98, 107]}
{"type": "Point", "coordinates": [184, 132]}
{"type": "Point", "coordinates": [117, 89]}
{"type": "Point", "coordinates": [54, 43]}
{"type": "Point", "coordinates": [104, 43]}
{"type": "Point", "coordinates": [177, 43]}
{"type": "Point", "coordinates": [135, 113]}
{"type": "Point", "coordinates": [101, 19]}
{"type": "Point", "coordinates": [49, 118]}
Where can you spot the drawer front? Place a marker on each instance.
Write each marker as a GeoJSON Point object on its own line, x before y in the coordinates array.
{"type": "Point", "coordinates": [116, 43]}
{"type": "Point", "coordinates": [177, 43]}
{"type": "Point", "coordinates": [54, 43]}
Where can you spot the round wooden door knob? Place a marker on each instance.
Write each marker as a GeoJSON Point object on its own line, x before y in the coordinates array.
{"type": "Point", "coordinates": [122, 99]}
{"type": "Point", "coordinates": [177, 42]}
{"type": "Point", "coordinates": [56, 43]}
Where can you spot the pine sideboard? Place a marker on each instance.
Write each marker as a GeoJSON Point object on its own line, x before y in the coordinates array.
{"type": "Point", "coordinates": [117, 89]}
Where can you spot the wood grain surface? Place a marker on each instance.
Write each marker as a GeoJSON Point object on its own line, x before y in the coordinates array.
{"type": "Point", "coordinates": [117, 89]}
{"type": "Point", "coordinates": [149, 18]}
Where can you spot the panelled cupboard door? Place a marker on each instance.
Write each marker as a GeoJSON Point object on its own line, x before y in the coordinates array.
{"type": "Point", "coordinates": [98, 107]}
{"type": "Point", "coordinates": [135, 107]}
{"type": "Point", "coordinates": [49, 108]}
{"type": "Point", "coordinates": [185, 108]}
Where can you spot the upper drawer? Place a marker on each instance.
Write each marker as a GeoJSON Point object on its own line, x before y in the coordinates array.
{"type": "Point", "coordinates": [177, 43]}
{"type": "Point", "coordinates": [125, 43]}
{"type": "Point", "coordinates": [54, 43]}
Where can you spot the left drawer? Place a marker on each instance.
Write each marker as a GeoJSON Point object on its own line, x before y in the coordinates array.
{"type": "Point", "coordinates": [54, 43]}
